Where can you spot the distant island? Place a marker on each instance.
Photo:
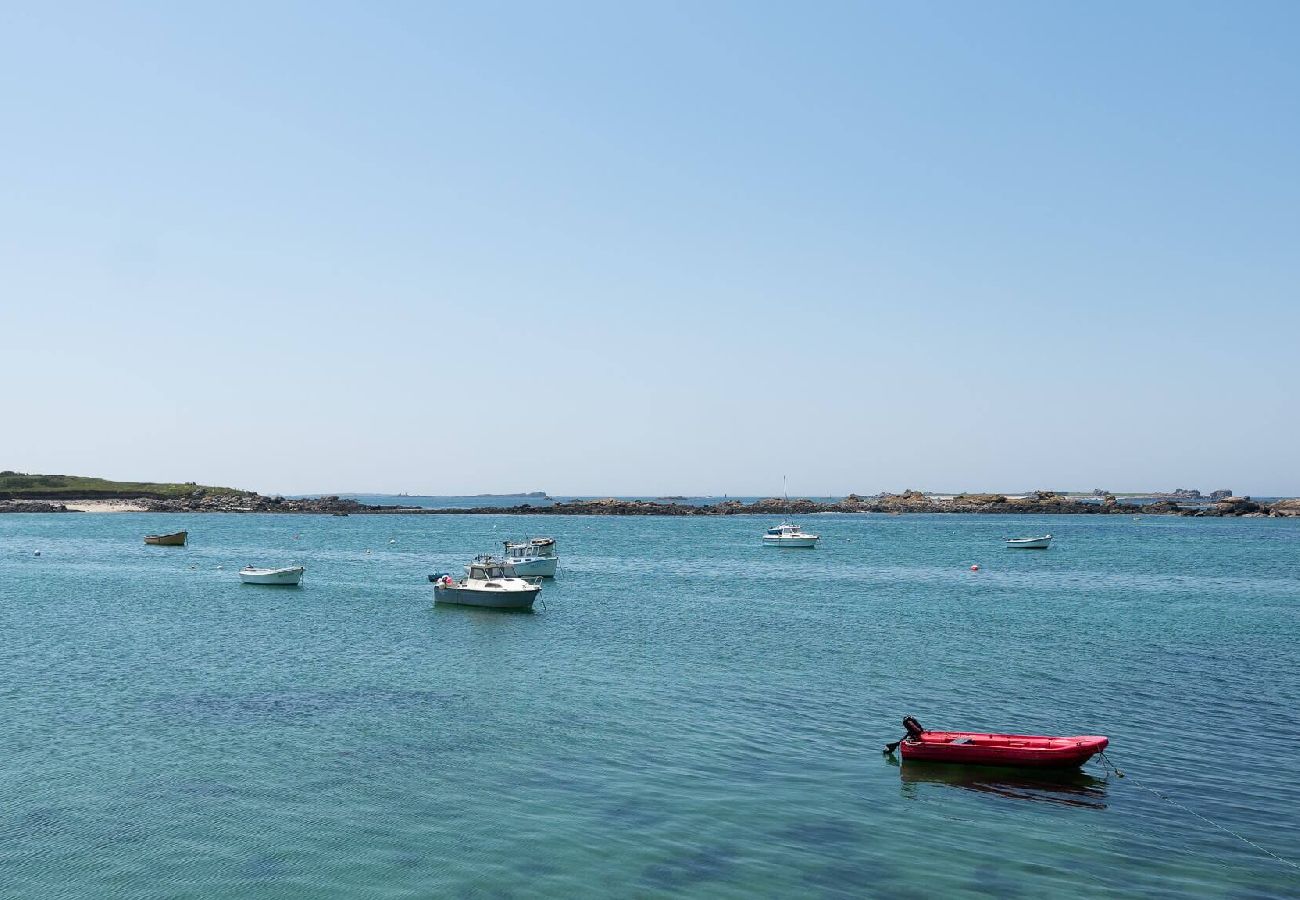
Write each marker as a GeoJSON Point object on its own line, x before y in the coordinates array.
{"type": "Point", "coordinates": [540, 495]}
{"type": "Point", "coordinates": [70, 493]}
{"type": "Point", "coordinates": [21, 486]}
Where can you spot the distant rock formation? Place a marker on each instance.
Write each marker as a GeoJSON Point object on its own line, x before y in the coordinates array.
{"type": "Point", "coordinates": [1286, 508]}
{"type": "Point", "coordinates": [31, 506]}
{"type": "Point", "coordinates": [909, 501]}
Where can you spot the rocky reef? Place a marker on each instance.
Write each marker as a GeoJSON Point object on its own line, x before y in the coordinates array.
{"type": "Point", "coordinates": [895, 504]}
{"type": "Point", "coordinates": [256, 503]}
{"type": "Point", "coordinates": [32, 506]}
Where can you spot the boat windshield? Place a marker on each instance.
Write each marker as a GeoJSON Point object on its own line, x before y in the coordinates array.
{"type": "Point", "coordinates": [496, 572]}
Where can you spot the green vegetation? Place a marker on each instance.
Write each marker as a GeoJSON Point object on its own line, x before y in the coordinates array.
{"type": "Point", "coordinates": [79, 487]}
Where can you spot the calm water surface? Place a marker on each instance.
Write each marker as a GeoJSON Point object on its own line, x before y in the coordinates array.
{"type": "Point", "coordinates": [691, 714]}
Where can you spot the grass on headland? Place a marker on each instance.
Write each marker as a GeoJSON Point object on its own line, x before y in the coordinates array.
{"type": "Point", "coordinates": [18, 485]}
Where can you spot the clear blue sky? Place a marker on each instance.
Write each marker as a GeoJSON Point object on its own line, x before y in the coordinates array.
{"type": "Point", "coordinates": [655, 248]}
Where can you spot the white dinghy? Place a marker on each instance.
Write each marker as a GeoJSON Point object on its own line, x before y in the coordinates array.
{"type": "Point", "coordinates": [1030, 543]}
{"type": "Point", "coordinates": [287, 576]}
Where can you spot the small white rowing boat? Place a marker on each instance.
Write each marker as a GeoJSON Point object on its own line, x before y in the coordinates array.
{"type": "Point", "coordinates": [287, 576]}
{"type": "Point", "coordinates": [1030, 543]}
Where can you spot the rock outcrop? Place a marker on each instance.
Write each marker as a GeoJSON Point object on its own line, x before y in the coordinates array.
{"type": "Point", "coordinates": [1286, 508]}
{"type": "Point", "coordinates": [31, 506]}
{"type": "Point", "coordinates": [897, 504]}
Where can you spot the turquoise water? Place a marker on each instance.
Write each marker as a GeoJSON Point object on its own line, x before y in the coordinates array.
{"type": "Point", "coordinates": [691, 714]}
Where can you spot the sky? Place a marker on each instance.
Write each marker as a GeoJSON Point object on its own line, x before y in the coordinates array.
{"type": "Point", "coordinates": [652, 248]}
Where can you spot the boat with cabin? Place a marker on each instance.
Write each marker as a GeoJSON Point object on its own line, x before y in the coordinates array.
{"type": "Point", "coordinates": [287, 576]}
{"type": "Point", "coordinates": [489, 583]}
{"type": "Point", "coordinates": [534, 557]}
{"type": "Point", "coordinates": [167, 540]}
{"type": "Point", "coordinates": [1030, 543]}
{"type": "Point", "coordinates": [788, 534]}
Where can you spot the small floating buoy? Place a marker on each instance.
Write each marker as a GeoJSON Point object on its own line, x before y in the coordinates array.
{"type": "Point", "coordinates": [37, 553]}
{"type": "Point", "coordinates": [220, 567]}
{"type": "Point", "coordinates": [975, 568]}
{"type": "Point", "coordinates": [393, 541]}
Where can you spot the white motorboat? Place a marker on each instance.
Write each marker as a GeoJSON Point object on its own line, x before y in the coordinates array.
{"type": "Point", "coordinates": [1030, 543]}
{"type": "Point", "coordinates": [287, 576]}
{"type": "Point", "coordinates": [534, 557]}
{"type": "Point", "coordinates": [788, 534]}
{"type": "Point", "coordinates": [490, 583]}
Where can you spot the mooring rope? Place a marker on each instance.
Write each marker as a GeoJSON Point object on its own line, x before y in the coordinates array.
{"type": "Point", "coordinates": [1188, 809]}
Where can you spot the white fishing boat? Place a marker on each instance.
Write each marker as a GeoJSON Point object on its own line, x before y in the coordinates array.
{"type": "Point", "coordinates": [1030, 543]}
{"type": "Point", "coordinates": [532, 558]}
{"type": "Point", "coordinates": [788, 534]}
{"type": "Point", "coordinates": [490, 583]}
{"type": "Point", "coordinates": [287, 576]}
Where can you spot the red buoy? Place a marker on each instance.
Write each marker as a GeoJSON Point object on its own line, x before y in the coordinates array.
{"type": "Point", "coordinates": [974, 568]}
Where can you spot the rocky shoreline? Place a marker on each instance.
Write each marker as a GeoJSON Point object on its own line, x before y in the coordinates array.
{"type": "Point", "coordinates": [896, 504]}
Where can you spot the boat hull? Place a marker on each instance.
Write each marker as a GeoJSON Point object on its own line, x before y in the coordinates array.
{"type": "Point", "coordinates": [1041, 543]}
{"type": "Point", "coordinates": [167, 540]}
{"type": "Point", "coordinates": [792, 543]}
{"type": "Point", "coordinates": [489, 599]}
{"type": "Point", "coordinates": [533, 568]}
{"type": "Point", "coordinates": [283, 577]}
{"type": "Point", "coordinates": [1021, 750]}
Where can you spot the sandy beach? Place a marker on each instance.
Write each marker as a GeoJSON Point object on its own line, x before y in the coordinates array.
{"type": "Point", "coordinates": [103, 506]}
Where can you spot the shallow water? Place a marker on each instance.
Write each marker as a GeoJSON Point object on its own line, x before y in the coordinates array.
{"type": "Point", "coordinates": [691, 714]}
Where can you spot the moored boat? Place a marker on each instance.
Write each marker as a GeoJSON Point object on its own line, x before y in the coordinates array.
{"type": "Point", "coordinates": [1030, 543]}
{"type": "Point", "coordinates": [986, 749]}
{"type": "Point", "coordinates": [167, 540]}
{"type": "Point", "coordinates": [788, 534]}
{"type": "Point", "coordinates": [490, 583]}
{"type": "Point", "coordinates": [290, 575]}
{"type": "Point", "coordinates": [532, 558]}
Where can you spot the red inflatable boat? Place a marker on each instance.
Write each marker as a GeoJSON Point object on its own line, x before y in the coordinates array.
{"type": "Point", "coordinates": [978, 749]}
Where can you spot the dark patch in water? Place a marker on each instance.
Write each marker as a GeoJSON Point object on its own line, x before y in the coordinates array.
{"type": "Point", "coordinates": [265, 867]}
{"type": "Point", "coordinates": [291, 707]}
{"type": "Point", "coordinates": [217, 789]}
{"type": "Point", "coordinates": [536, 868]}
{"type": "Point", "coordinates": [822, 833]}
{"type": "Point", "coordinates": [44, 821]}
{"type": "Point", "coordinates": [406, 859]}
{"type": "Point", "coordinates": [475, 892]}
{"type": "Point", "coordinates": [636, 815]}
{"type": "Point", "coordinates": [993, 882]}
{"type": "Point", "coordinates": [685, 869]}
{"type": "Point", "coordinates": [849, 879]}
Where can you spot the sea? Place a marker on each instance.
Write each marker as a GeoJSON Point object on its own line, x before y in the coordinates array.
{"type": "Point", "coordinates": [686, 713]}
